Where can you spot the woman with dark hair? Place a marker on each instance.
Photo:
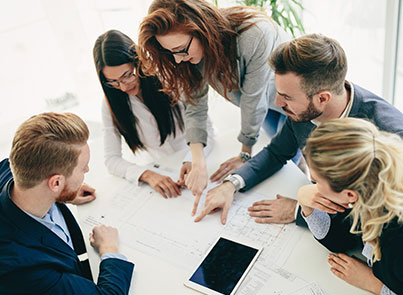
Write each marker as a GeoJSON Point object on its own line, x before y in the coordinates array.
{"type": "Point", "coordinates": [192, 44]}
{"type": "Point", "coordinates": [135, 108]}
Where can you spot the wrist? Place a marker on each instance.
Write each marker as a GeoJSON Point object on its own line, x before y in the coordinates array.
{"type": "Point", "coordinates": [247, 149]}
{"type": "Point", "coordinates": [232, 182]}
{"type": "Point", "coordinates": [376, 285]}
{"type": "Point", "coordinates": [147, 174]}
{"type": "Point", "coordinates": [245, 156]}
{"type": "Point", "coordinates": [229, 186]}
{"type": "Point", "coordinates": [197, 152]}
{"type": "Point", "coordinates": [107, 249]}
{"type": "Point", "coordinates": [306, 211]}
{"type": "Point", "coordinates": [199, 164]}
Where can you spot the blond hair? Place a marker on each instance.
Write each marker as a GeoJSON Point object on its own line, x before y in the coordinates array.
{"type": "Point", "coordinates": [353, 154]}
{"type": "Point", "coordinates": [45, 145]}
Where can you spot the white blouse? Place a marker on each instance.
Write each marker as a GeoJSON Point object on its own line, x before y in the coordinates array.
{"type": "Point", "coordinates": [148, 134]}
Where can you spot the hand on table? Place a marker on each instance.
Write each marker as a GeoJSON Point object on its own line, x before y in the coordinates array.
{"type": "Point", "coordinates": [354, 272]}
{"type": "Point", "coordinates": [104, 239]}
{"type": "Point", "coordinates": [219, 197]}
{"type": "Point", "coordinates": [309, 198]}
{"type": "Point", "coordinates": [226, 169]}
{"type": "Point", "coordinates": [281, 210]}
{"type": "Point", "coordinates": [86, 194]}
{"type": "Point", "coordinates": [161, 183]}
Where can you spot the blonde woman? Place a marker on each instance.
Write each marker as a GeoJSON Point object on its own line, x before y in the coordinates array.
{"type": "Point", "coordinates": [359, 168]}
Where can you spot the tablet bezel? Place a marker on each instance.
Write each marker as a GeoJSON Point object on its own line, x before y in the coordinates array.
{"type": "Point", "coordinates": [205, 290]}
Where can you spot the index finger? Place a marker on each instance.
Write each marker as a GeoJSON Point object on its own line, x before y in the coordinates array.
{"type": "Point", "coordinates": [195, 204]}
{"type": "Point", "coordinates": [263, 202]}
{"type": "Point", "coordinates": [182, 174]}
{"type": "Point", "coordinates": [203, 214]}
{"type": "Point", "coordinates": [331, 205]}
{"type": "Point", "coordinates": [219, 172]}
{"type": "Point", "coordinates": [88, 188]}
{"type": "Point", "coordinates": [83, 199]}
{"type": "Point", "coordinates": [176, 187]}
{"type": "Point", "coordinates": [224, 214]}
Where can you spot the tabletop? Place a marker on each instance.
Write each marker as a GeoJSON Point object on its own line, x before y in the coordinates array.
{"type": "Point", "coordinates": [160, 237]}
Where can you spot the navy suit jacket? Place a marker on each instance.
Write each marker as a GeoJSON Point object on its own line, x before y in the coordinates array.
{"type": "Point", "coordinates": [293, 136]}
{"type": "Point", "coordinates": [389, 270]}
{"type": "Point", "coordinates": [34, 260]}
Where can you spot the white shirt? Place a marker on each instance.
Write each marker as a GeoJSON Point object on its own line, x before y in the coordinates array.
{"type": "Point", "coordinates": [149, 135]}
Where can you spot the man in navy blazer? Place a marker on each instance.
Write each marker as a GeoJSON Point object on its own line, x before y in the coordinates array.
{"type": "Point", "coordinates": [42, 250]}
{"type": "Point", "coordinates": [311, 88]}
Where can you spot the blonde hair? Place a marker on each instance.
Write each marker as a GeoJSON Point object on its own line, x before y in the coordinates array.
{"type": "Point", "coordinates": [353, 154]}
{"type": "Point", "coordinates": [45, 145]}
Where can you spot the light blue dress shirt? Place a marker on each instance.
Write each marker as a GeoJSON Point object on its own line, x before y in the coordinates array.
{"type": "Point", "coordinates": [54, 221]}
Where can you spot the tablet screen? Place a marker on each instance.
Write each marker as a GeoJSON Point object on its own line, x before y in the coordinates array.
{"type": "Point", "coordinates": [224, 266]}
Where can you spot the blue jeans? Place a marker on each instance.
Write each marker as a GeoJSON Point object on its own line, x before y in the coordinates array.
{"type": "Point", "coordinates": [272, 124]}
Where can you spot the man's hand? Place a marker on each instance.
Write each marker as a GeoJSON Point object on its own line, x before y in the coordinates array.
{"type": "Point", "coordinates": [310, 199]}
{"type": "Point", "coordinates": [86, 194]}
{"type": "Point", "coordinates": [161, 183]}
{"type": "Point", "coordinates": [354, 272]}
{"type": "Point", "coordinates": [281, 210]}
{"type": "Point", "coordinates": [104, 239]}
{"type": "Point", "coordinates": [226, 169]}
{"type": "Point", "coordinates": [219, 197]}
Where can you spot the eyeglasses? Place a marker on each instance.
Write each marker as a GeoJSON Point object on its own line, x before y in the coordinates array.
{"type": "Point", "coordinates": [127, 79]}
{"type": "Point", "coordinates": [183, 52]}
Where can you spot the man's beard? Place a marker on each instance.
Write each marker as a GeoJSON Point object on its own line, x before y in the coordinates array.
{"type": "Point", "coordinates": [67, 195]}
{"type": "Point", "coordinates": [309, 114]}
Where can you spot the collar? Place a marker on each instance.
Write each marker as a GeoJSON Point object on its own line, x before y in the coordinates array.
{"type": "Point", "coordinates": [29, 228]}
{"type": "Point", "coordinates": [349, 105]}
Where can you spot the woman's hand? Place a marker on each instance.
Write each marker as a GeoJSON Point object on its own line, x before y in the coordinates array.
{"type": "Point", "coordinates": [226, 169]}
{"type": "Point", "coordinates": [196, 182]}
{"type": "Point", "coordinates": [185, 170]}
{"type": "Point", "coordinates": [354, 272]}
{"type": "Point", "coordinates": [161, 183]}
{"type": "Point", "coordinates": [309, 198]}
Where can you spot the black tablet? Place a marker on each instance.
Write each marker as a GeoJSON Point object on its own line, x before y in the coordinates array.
{"type": "Point", "coordinates": [224, 267]}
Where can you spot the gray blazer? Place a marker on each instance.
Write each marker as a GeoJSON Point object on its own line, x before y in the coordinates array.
{"type": "Point", "coordinates": [293, 136]}
{"type": "Point", "coordinates": [256, 85]}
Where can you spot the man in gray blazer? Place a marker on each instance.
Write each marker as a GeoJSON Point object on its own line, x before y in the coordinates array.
{"type": "Point", "coordinates": [311, 88]}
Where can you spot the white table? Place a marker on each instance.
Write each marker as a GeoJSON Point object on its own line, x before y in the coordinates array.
{"type": "Point", "coordinates": [156, 276]}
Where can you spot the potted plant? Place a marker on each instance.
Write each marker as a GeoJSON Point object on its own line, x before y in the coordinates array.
{"type": "Point", "coordinates": [286, 13]}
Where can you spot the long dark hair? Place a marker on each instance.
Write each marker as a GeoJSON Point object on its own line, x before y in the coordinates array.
{"type": "Point", "coordinates": [114, 48]}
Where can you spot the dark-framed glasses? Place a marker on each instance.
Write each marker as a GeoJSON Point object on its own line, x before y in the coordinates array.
{"type": "Point", "coordinates": [126, 79]}
{"type": "Point", "coordinates": [183, 52]}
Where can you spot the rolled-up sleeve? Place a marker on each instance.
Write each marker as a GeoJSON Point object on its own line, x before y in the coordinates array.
{"type": "Point", "coordinates": [196, 118]}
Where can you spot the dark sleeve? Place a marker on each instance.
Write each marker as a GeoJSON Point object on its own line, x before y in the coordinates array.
{"type": "Point", "coordinates": [300, 221]}
{"type": "Point", "coordinates": [339, 238]}
{"type": "Point", "coordinates": [114, 278]}
{"type": "Point", "coordinates": [389, 270]}
{"type": "Point", "coordinates": [272, 158]}
{"type": "Point", "coordinates": [5, 172]}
